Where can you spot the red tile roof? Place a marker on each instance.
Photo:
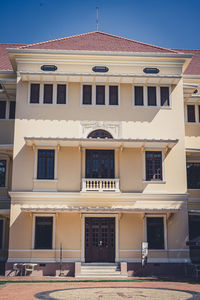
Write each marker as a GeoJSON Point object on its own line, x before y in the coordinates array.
{"type": "Point", "coordinates": [4, 59]}
{"type": "Point", "coordinates": [98, 41]}
{"type": "Point", "coordinates": [194, 66]}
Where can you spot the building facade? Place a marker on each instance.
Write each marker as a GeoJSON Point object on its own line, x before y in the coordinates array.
{"type": "Point", "coordinates": [101, 154]}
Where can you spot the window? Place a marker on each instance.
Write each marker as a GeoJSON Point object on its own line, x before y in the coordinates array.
{"type": "Point", "coordinates": [193, 175]}
{"type": "Point", "coordinates": [45, 169]}
{"type": "Point", "coordinates": [151, 91]}
{"type": "Point", "coordinates": [139, 95]}
{"type": "Point", "coordinates": [2, 109]}
{"type": "Point", "coordinates": [48, 93]}
{"type": "Point", "coordinates": [113, 95]}
{"type": "Point", "coordinates": [155, 232]}
{"type": "Point", "coordinates": [61, 94]}
{"type": "Point", "coordinates": [12, 110]}
{"type": "Point", "coordinates": [2, 173]}
{"type": "Point", "coordinates": [43, 232]}
{"type": "Point", "coordinates": [100, 133]}
{"type": "Point", "coordinates": [87, 94]}
{"type": "Point", "coordinates": [35, 93]}
{"type": "Point", "coordinates": [1, 233]}
{"type": "Point", "coordinates": [100, 95]}
{"type": "Point", "coordinates": [164, 96]}
{"type": "Point", "coordinates": [191, 113]}
{"type": "Point", "coordinates": [153, 165]}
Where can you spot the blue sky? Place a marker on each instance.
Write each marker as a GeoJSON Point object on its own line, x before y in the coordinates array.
{"type": "Point", "coordinates": [173, 24]}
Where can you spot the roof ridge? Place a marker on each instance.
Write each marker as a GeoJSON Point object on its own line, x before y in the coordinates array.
{"type": "Point", "coordinates": [187, 49]}
{"type": "Point", "coordinates": [121, 37]}
{"type": "Point", "coordinates": [59, 39]}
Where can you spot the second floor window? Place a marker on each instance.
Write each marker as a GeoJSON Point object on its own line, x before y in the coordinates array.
{"type": "Point", "coordinates": [7, 109]}
{"type": "Point", "coordinates": [193, 175]}
{"type": "Point", "coordinates": [100, 94]}
{"type": "Point", "coordinates": [48, 93]}
{"type": "Point", "coordinates": [153, 165]}
{"type": "Point", "coordinates": [2, 173]}
{"type": "Point", "coordinates": [35, 93]}
{"type": "Point", "coordinates": [45, 165]}
{"type": "Point", "coordinates": [151, 95]}
{"type": "Point", "coordinates": [191, 113]}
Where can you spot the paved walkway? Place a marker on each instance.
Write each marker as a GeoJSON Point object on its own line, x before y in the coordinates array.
{"type": "Point", "coordinates": [75, 290]}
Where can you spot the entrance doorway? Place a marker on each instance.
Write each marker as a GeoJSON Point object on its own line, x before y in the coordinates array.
{"type": "Point", "coordinates": [99, 239]}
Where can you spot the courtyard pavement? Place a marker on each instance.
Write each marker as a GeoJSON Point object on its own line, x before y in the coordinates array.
{"type": "Point", "coordinates": [29, 288]}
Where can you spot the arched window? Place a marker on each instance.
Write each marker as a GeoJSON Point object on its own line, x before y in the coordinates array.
{"type": "Point", "coordinates": [100, 133]}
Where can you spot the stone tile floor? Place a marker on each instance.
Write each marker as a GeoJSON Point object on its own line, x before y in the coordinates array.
{"type": "Point", "coordinates": [70, 288]}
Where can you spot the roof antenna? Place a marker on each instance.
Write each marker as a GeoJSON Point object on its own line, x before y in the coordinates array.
{"type": "Point", "coordinates": [97, 18]}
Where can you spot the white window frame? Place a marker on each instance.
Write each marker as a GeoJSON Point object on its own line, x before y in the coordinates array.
{"type": "Point", "coordinates": [94, 94]}
{"type": "Point", "coordinates": [145, 96]}
{"type": "Point", "coordinates": [144, 166]}
{"type": "Point", "coordinates": [55, 163]}
{"type": "Point", "coordinates": [41, 94]}
{"type": "Point", "coordinates": [196, 112]}
{"type": "Point", "coordinates": [53, 231]}
{"type": "Point", "coordinates": [165, 229]}
{"type": "Point", "coordinates": [7, 159]}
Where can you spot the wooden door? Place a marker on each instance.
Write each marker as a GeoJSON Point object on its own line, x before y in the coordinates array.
{"type": "Point", "coordinates": [99, 239]}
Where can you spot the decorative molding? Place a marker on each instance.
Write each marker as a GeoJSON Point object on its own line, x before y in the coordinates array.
{"type": "Point", "coordinates": [87, 127]}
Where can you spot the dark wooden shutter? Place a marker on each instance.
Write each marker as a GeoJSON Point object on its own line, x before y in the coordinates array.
{"type": "Point", "coordinates": [191, 113]}
{"type": "Point", "coordinates": [100, 94]}
{"type": "Point", "coordinates": [87, 94]}
{"type": "Point", "coordinates": [2, 109]}
{"type": "Point", "coordinates": [35, 93]}
{"type": "Point", "coordinates": [155, 233]}
{"type": "Point", "coordinates": [48, 93]}
{"type": "Point", "coordinates": [139, 97]}
{"type": "Point", "coordinates": [164, 94]}
{"type": "Point", "coordinates": [12, 110]}
{"type": "Point", "coordinates": [151, 95]}
{"type": "Point", "coordinates": [45, 168]}
{"type": "Point", "coordinates": [61, 94]}
{"type": "Point", "coordinates": [43, 232]}
{"type": "Point", "coordinates": [113, 95]}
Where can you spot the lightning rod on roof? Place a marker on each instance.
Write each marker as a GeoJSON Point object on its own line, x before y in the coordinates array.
{"type": "Point", "coordinates": [97, 18]}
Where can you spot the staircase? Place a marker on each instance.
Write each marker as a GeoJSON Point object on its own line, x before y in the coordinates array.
{"type": "Point", "coordinates": [100, 270]}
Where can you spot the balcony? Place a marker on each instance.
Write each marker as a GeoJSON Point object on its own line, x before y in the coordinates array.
{"type": "Point", "coordinates": [100, 185]}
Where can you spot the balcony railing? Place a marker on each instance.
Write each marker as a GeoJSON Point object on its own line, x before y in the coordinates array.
{"type": "Point", "coordinates": [100, 185]}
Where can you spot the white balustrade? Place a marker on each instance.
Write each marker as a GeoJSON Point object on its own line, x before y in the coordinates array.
{"type": "Point", "coordinates": [100, 185]}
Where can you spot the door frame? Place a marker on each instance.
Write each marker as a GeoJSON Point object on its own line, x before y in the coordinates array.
{"type": "Point", "coordinates": [83, 216]}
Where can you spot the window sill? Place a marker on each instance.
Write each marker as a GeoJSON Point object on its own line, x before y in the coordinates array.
{"type": "Point", "coordinates": [154, 181]}
{"type": "Point", "coordinates": [3, 187]}
{"type": "Point", "coordinates": [45, 180]}
{"type": "Point", "coordinates": [193, 189]}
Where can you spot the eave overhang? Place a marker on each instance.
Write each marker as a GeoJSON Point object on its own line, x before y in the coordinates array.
{"type": "Point", "coordinates": [97, 143]}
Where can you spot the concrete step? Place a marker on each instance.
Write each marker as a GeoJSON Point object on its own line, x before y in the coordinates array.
{"type": "Point", "coordinates": [100, 270]}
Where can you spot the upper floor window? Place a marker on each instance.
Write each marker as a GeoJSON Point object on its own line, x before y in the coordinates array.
{"type": "Point", "coordinates": [193, 175]}
{"type": "Point", "coordinates": [100, 94]}
{"type": "Point", "coordinates": [153, 165]}
{"type": "Point", "coordinates": [45, 165]}
{"type": "Point", "coordinates": [151, 95]}
{"type": "Point", "coordinates": [155, 232]}
{"type": "Point", "coordinates": [7, 109]}
{"type": "Point", "coordinates": [100, 134]}
{"type": "Point", "coordinates": [191, 113]}
{"type": "Point", "coordinates": [2, 173]}
{"type": "Point", "coordinates": [48, 93]}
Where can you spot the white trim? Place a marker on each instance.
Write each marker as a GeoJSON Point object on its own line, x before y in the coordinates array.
{"type": "Point", "coordinates": [157, 260]}
{"type": "Point", "coordinates": [83, 216]}
{"type": "Point", "coordinates": [43, 250]}
{"type": "Point", "coordinates": [42, 260]}
{"type": "Point", "coordinates": [53, 229]}
{"type": "Point", "coordinates": [94, 94]}
{"type": "Point", "coordinates": [155, 250]}
{"type": "Point", "coordinates": [165, 229]}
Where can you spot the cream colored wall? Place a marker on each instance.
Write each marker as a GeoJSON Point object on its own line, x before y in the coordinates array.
{"type": "Point", "coordinates": [136, 122]}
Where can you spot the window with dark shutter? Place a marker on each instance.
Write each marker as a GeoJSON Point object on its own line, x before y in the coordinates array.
{"type": "Point", "coordinates": [139, 96]}
{"type": "Point", "coordinates": [45, 168]}
{"type": "Point", "coordinates": [43, 232]}
{"type": "Point", "coordinates": [2, 173]}
{"type": "Point", "coordinates": [35, 93]}
{"type": "Point", "coordinates": [12, 110]}
{"type": "Point", "coordinates": [155, 233]}
{"type": "Point", "coordinates": [153, 165]}
{"type": "Point", "coordinates": [164, 96]}
{"type": "Point", "coordinates": [87, 94]}
{"type": "Point", "coordinates": [1, 234]}
{"type": "Point", "coordinates": [2, 109]}
{"type": "Point", "coordinates": [61, 94]}
{"type": "Point", "coordinates": [191, 113]}
{"type": "Point", "coordinates": [113, 95]}
{"type": "Point", "coordinates": [48, 93]}
{"type": "Point", "coordinates": [193, 175]}
{"type": "Point", "coordinates": [100, 95]}
{"type": "Point", "coordinates": [151, 91]}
